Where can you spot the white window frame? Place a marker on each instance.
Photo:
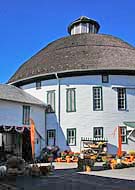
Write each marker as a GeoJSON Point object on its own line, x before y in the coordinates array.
{"type": "Point", "coordinates": [26, 115]}
{"type": "Point", "coordinates": [97, 99]}
{"type": "Point", "coordinates": [71, 136]}
{"type": "Point", "coordinates": [99, 131]}
{"type": "Point", "coordinates": [51, 101]}
{"type": "Point", "coordinates": [71, 100]}
{"type": "Point", "coordinates": [124, 134]}
{"type": "Point", "coordinates": [121, 93]}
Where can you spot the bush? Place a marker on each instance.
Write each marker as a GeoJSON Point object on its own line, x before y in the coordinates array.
{"type": "Point", "coordinates": [82, 163]}
{"type": "Point", "coordinates": [106, 165]}
{"type": "Point", "coordinates": [119, 166]}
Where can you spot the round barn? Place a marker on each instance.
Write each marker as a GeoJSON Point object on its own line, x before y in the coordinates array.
{"type": "Point", "coordinates": [87, 79]}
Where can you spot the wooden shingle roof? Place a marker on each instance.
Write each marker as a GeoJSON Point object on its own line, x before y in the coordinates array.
{"type": "Point", "coordinates": [78, 52]}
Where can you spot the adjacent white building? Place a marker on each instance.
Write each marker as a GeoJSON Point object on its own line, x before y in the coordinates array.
{"type": "Point", "coordinates": [88, 82]}
{"type": "Point", "coordinates": [16, 109]}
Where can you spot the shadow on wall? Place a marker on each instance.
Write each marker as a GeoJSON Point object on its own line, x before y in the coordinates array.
{"type": "Point", "coordinates": [52, 124]}
{"type": "Point", "coordinates": [112, 149]}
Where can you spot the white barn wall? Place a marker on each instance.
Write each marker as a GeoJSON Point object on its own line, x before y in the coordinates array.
{"type": "Point", "coordinates": [84, 119]}
{"type": "Point", "coordinates": [10, 113]}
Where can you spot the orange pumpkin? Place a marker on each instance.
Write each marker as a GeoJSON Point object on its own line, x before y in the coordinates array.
{"type": "Point", "coordinates": [68, 160]}
{"type": "Point", "coordinates": [58, 159]}
{"type": "Point", "coordinates": [88, 168]}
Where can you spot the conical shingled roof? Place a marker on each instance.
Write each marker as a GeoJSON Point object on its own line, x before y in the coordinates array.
{"type": "Point", "coordinates": [77, 53]}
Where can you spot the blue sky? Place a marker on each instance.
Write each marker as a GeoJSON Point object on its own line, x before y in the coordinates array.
{"type": "Point", "coordinates": [26, 26]}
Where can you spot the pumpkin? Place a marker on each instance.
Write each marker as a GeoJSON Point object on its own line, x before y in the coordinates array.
{"type": "Point", "coordinates": [88, 168]}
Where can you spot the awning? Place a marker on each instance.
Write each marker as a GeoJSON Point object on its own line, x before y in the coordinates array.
{"type": "Point", "coordinates": [129, 124]}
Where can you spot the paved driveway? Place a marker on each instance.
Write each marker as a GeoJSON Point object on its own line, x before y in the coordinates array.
{"type": "Point", "coordinates": [71, 180]}
{"type": "Point", "coordinates": [126, 173]}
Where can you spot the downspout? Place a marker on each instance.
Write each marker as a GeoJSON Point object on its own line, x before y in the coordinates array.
{"type": "Point", "coordinates": [58, 124]}
{"type": "Point", "coordinates": [45, 130]}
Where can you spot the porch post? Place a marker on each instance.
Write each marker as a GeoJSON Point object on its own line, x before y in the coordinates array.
{"type": "Point", "coordinates": [119, 152]}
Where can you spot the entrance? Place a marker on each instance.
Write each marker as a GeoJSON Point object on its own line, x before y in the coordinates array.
{"type": "Point", "coordinates": [26, 146]}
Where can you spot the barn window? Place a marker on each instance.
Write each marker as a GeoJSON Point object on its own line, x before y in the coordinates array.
{"type": "Point", "coordinates": [105, 78]}
{"type": "Point", "coordinates": [71, 100]}
{"type": "Point", "coordinates": [51, 101]}
{"type": "Point", "coordinates": [26, 115]}
{"type": "Point", "coordinates": [98, 132]}
{"type": "Point", "coordinates": [71, 137]}
{"type": "Point", "coordinates": [51, 135]}
{"type": "Point", "coordinates": [124, 135]}
{"type": "Point", "coordinates": [121, 98]}
{"type": "Point", "coordinates": [38, 85]}
{"type": "Point", "coordinates": [97, 99]}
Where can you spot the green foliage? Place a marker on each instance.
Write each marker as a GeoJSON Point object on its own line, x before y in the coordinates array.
{"type": "Point", "coordinates": [82, 163]}
{"type": "Point", "coordinates": [106, 165]}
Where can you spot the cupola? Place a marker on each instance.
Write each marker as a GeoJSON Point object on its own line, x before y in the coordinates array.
{"type": "Point", "coordinates": [83, 25]}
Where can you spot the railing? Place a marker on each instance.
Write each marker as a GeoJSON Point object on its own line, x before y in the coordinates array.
{"type": "Point", "coordinates": [92, 140]}
{"type": "Point", "coordinates": [86, 141]}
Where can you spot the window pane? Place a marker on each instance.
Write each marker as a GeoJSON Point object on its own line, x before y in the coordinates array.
{"type": "Point", "coordinates": [38, 85]}
{"type": "Point", "coordinates": [124, 134]}
{"type": "Point", "coordinates": [97, 98]}
{"type": "Point", "coordinates": [121, 98]}
{"type": "Point", "coordinates": [51, 137]}
{"type": "Point", "coordinates": [84, 28]}
{"type": "Point", "coordinates": [26, 115]}
{"type": "Point", "coordinates": [105, 78]}
{"type": "Point", "coordinates": [98, 132]}
{"type": "Point", "coordinates": [51, 100]}
{"type": "Point", "coordinates": [71, 100]}
{"type": "Point", "coordinates": [71, 136]}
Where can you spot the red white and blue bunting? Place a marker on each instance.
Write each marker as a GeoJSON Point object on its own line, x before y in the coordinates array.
{"type": "Point", "coordinates": [7, 128]}
{"type": "Point", "coordinates": [19, 129]}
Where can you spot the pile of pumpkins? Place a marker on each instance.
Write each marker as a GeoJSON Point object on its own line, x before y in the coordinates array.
{"type": "Point", "coordinates": [122, 162]}
{"type": "Point", "coordinates": [68, 157]}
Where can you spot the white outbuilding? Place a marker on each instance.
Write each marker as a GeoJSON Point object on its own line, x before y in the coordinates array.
{"type": "Point", "coordinates": [17, 107]}
{"type": "Point", "coordinates": [87, 80]}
